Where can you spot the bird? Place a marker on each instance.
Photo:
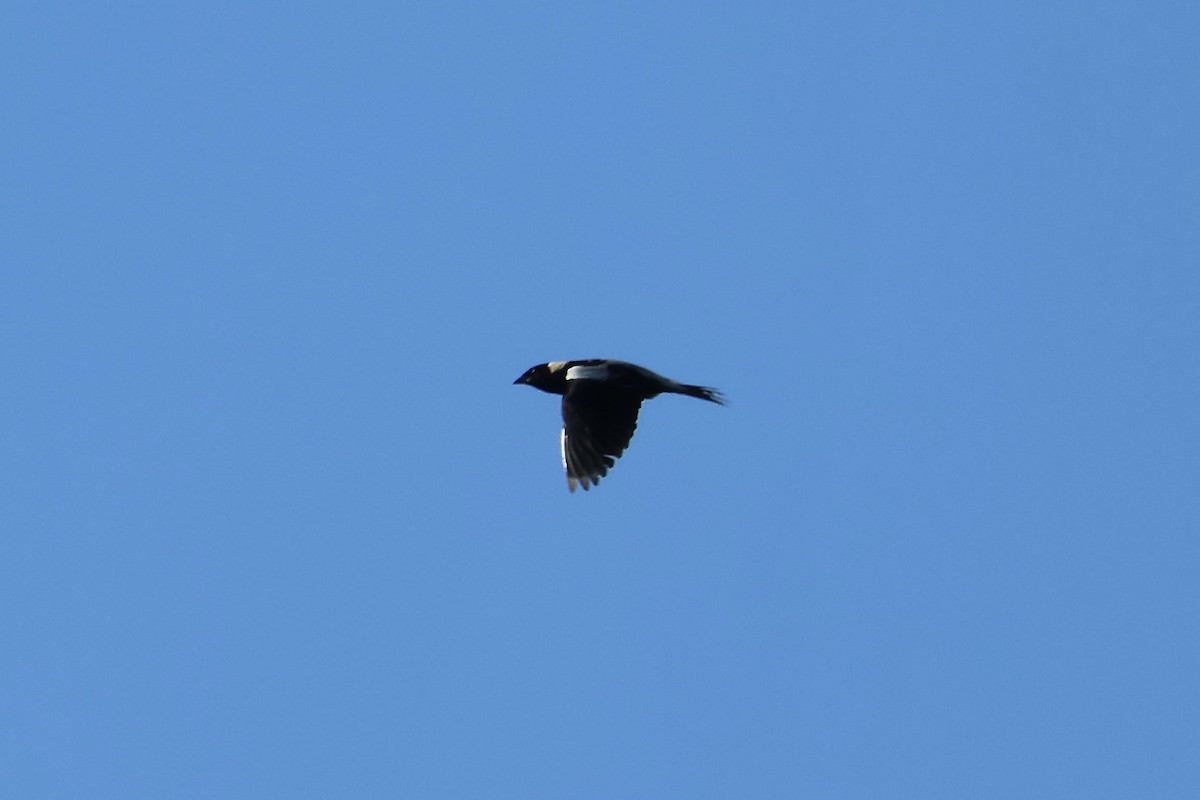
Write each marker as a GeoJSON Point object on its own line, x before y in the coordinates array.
{"type": "Point", "coordinates": [601, 398]}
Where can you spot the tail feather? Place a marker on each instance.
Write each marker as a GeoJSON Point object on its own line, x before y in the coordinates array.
{"type": "Point", "coordinates": [701, 392]}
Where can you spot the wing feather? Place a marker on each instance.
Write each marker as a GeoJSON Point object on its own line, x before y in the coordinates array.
{"type": "Point", "coordinates": [599, 419]}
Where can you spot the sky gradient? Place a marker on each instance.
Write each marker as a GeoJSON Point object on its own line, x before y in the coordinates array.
{"type": "Point", "coordinates": [275, 523]}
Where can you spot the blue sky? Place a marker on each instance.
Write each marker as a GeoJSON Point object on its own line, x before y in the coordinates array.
{"type": "Point", "coordinates": [277, 524]}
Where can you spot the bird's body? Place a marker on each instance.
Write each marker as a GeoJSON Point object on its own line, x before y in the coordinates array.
{"type": "Point", "coordinates": [601, 399]}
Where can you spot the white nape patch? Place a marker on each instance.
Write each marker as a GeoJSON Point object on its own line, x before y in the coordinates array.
{"type": "Point", "coordinates": [596, 372]}
{"type": "Point", "coordinates": [555, 366]}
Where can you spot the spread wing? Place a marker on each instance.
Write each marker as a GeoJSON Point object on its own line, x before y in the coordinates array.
{"type": "Point", "coordinates": [599, 419]}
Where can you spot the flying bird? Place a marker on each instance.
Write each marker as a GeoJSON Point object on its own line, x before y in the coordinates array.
{"type": "Point", "coordinates": [600, 403]}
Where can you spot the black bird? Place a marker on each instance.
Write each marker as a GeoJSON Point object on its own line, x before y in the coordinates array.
{"type": "Point", "coordinates": [600, 405]}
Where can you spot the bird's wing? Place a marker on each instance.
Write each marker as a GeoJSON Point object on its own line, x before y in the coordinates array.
{"type": "Point", "coordinates": [598, 421]}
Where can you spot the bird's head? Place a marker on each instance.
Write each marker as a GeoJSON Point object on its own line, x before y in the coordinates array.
{"type": "Point", "coordinates": [547, 377]}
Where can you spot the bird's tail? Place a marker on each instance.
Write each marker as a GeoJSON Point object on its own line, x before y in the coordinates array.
{"type": "Point", "coordinates": [701, 392]}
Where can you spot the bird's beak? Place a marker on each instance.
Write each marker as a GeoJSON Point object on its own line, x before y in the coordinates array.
{"type": "Point", "coordinates": [519, 380]}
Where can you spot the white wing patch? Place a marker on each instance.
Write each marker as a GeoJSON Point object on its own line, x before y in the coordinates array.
{"type": "Point", "coordinates": [596, 372]}
{"type": "Point", "coordinates": [562, 444]}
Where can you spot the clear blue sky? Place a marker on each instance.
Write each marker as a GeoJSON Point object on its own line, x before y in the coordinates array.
{"type": "Point", "coordinates": [277, 524]}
